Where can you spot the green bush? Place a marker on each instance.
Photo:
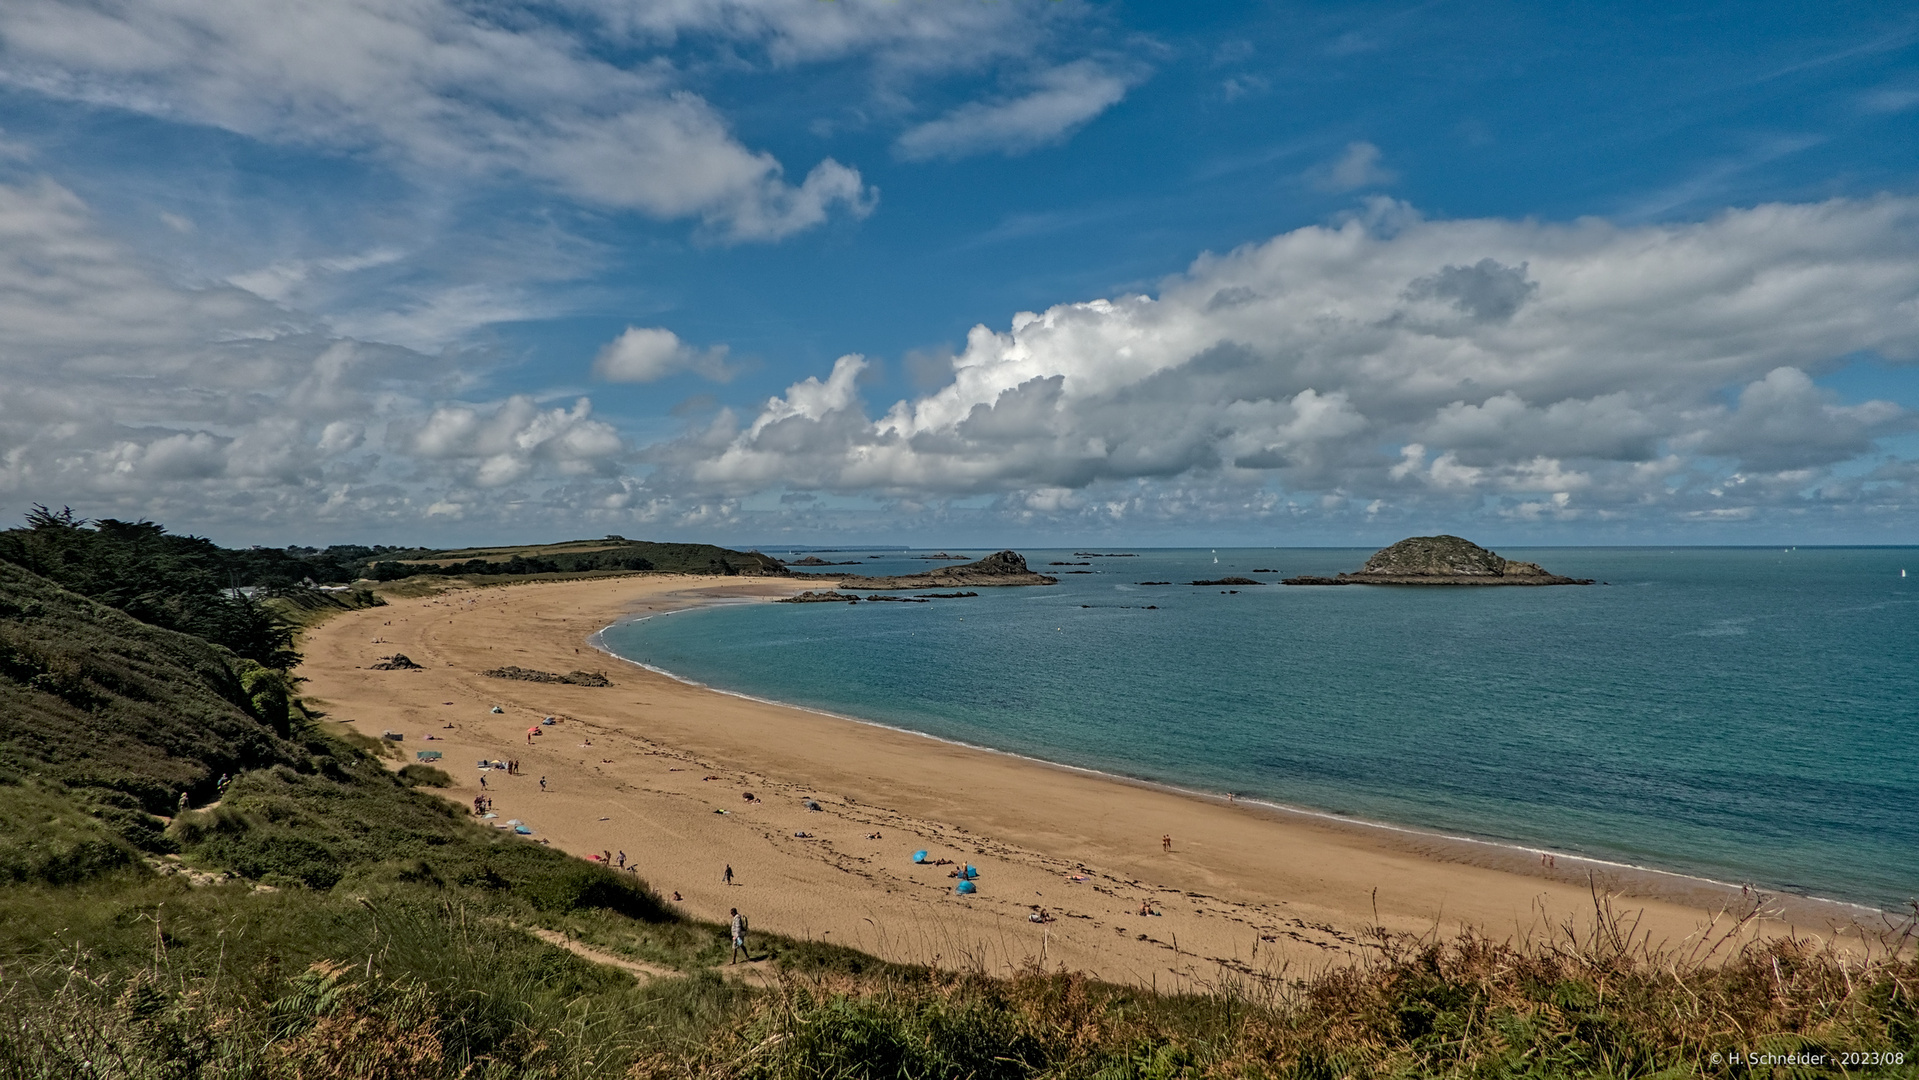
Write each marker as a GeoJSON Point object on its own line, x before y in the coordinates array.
{"type": "Point", "coordinates": [426, 776]}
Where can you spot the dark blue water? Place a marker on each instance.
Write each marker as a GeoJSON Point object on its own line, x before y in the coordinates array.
{"type": "Point", "coordinates": [1747, 715]}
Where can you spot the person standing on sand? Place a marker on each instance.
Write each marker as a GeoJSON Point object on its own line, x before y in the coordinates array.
{"type": "Point", "coordinates": [727, 878]}
{"type": "Point", "coordinates": [1166, 842]}
{"type": "Point", "coordinates": [542, 783]}
{"type": "Point", "coordinates": [738, 926]}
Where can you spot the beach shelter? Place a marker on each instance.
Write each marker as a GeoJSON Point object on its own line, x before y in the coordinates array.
{"type": "Point", "coordinates": [970, 872]}
{"type": "Point", "coordinates": [427, 755]}
{"type": "Point", "coordinates": [966, 888]}
{"type": "Point", "coordinates": [497, 709]}
{"type": "Point", "coordinates": [919, 856]}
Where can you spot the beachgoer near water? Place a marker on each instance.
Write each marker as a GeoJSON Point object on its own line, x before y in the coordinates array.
{"type": "Point", "coordinates": [738, 926]}
{"type": "Point", "coordinates": [727, 878]}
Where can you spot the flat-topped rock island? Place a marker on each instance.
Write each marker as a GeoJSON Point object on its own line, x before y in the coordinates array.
{"type": "Point", "coordinates": [1001, 568]}
{"type": "Point", "coordinates": [1441, 560]}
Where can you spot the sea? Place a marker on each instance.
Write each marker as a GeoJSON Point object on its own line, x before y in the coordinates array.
{"type": "Point", "coordinates": [1747, 715]}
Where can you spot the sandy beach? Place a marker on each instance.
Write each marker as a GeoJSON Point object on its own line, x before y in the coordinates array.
{"type": "Point", "coordinates": [661, 770]}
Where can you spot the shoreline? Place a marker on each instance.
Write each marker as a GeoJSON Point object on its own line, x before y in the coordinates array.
{"type": "Point", "coordinates": [818, 813]}
{"type": "Point", "coordinates": [1683, 881]}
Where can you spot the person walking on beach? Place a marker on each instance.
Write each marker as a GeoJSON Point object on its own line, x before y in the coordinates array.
{"type": "Point", "coordinates": [727, 878]}
{"type": "Point", "coordinates": [1166, 842]}
{"type": "Point", "coordinates": [738, 926]}
{"type": "Point", "coordinates": [622, 860]}
{"type": "Point", "coordinates": [542, 783]}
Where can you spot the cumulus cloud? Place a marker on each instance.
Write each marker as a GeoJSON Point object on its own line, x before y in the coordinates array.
{"type": "Point", "coordinates": [1785, 422]}
{"type": "Point", "coordinates": [430, 84]}
{"type": "Point", "coordinates": [129, 394]}
{"type": "Point", "coordinates": [1064, 99]}
{"type": "Point", "coordinates": [650, 353]}
{"type": "Point", "coordinates": [1358, 167]}
{"type": "Point", "coordinates": [1555, 370]}
{"type": "Point", "coordinates": [503, 445]}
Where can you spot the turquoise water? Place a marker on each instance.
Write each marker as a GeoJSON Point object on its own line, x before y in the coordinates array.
{"type": "Point", "coordinates": [1742, 714]}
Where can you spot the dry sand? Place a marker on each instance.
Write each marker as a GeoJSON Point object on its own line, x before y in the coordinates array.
{"type": "Point", "coordinates": [647, 765]}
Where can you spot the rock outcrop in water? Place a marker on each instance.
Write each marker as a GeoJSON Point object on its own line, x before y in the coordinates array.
{"type": "Point", "coordinates": [1442, 560]}
{"type": "Point", "coordinates": [1001, 568]}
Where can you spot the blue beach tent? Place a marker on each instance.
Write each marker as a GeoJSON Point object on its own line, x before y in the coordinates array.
{"type": "Point", "coordinates": [970, 872]}
{"type": "Point", "coordinates": [966, 888]}
{"type": "Point", "coordinates": [919, 856]}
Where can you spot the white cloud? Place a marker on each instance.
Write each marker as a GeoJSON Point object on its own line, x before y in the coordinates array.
{"type": "Point", "coordinates": [1784, 422]}
{"type": "Point", "coordinates": [433, 85]}
{"type": "Point", "coordinates": [1065, 99]}
{"type": "Point", "coordinates": [650, 353]}
{"type": "Point", "coordinates": [131, 395]}
{"type": "Point", "coordinates": [1357, 167]}
{"type": "Point", "coordinates": [1425, 364]}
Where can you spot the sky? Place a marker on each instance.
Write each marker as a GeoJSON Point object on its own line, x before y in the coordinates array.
{"type": "Point", "coordinates": [816, 272]}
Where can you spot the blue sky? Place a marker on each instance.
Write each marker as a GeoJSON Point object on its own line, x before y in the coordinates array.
{"type": "Point", "coordinates": [753, 270]}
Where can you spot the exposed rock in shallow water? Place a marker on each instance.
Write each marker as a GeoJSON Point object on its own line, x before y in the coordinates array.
{"type": "Point", "coordinates": [1230, 581]}
{"type": "Point", "coordinates": [946, 595]}
{"type": "Point", "coordinates": [1441, 560]}
{"type": "Point", "coordinates": [574, 678]}
{"type": "Point", "coordinates": [999, 569]}
{"type": "Point", "coordinates": [827, 597]}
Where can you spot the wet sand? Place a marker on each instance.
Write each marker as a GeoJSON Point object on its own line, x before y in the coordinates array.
{"type": "Point", "coordinates": [659, 769]}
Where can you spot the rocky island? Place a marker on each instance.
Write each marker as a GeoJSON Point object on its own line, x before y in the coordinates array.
{"type": "Point", "coordinates": [1441, 560]}
{"type": "Point", "coordinates": [998, 569]}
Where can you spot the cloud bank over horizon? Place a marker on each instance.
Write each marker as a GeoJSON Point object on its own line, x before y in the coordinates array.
{"type": "Point", "coordinates": [1381, 371]}
{"type": "Point", "coordinates": [1396, 367]}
